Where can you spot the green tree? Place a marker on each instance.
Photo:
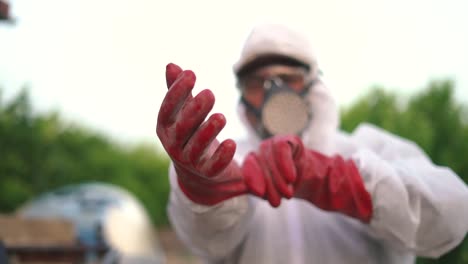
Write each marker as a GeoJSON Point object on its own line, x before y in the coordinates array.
{"type": "Point", "coordinates": [39, 152]}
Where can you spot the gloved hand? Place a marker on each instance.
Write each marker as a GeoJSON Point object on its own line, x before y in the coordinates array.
{"type": "Point", "coordinates": [289, 169]}
{"type": "Point", "coordinates": [206, 172]}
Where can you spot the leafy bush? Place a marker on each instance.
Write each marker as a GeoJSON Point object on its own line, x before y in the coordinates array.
{"type": "Point", "coordinates": [39, 152]}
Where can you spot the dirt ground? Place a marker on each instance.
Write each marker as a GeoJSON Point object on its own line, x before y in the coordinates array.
{"type": "Point", "coordinates": [175, 251]}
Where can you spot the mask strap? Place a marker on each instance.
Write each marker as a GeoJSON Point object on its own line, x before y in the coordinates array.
{"type": "Point", "coordinates": [258, 114]}
{"type": "Point", "coordinates": [251, 108]}
{"type": "Point", "coordinates": [308, 87]}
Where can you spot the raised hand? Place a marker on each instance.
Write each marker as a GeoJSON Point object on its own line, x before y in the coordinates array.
{"type": "Point", "coordinates": [273, 168]}
{"type": "Point", "coordinates": [205, 168]}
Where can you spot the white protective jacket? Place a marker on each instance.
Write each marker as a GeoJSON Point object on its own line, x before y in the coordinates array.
{"type": "Point", "coordinates": [419, 208]}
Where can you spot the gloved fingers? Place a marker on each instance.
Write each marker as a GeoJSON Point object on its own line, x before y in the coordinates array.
{"type": "Point", "coordinates": [269, 160]}
{"type": "Point", "coordinates": [172, 71]}
{"type": "Point", "coordinates": [253, 175]}
{"type": "Point", "coordinates": [259, 181]}
{"type": "Point", "coordinates": [175, 98]}
{"type": "Point", "coordinates": [272, 194]}
{"type": "Point", "coordinates": [220, 159]}
{"type": "Point", "coordinates": [296, 144]}
{"type": "Point", "coordinates": [284, 159]}
{"type": "Point", "coordinates": [280, 183]}
{"type": "Point", "coordinates": [192, 114]}
{"type": "Point", "coordinates": [197, 146]}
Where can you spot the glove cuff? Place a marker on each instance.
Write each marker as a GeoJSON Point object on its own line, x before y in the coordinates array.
{"type": "Point", "coordinates": [206, 191]}
{"type": "Point", "coordinates": [361, 197]}
{"type": "Point", "coordinates": [334, 184]}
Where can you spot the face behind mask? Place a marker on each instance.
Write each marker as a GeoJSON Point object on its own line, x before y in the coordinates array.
{"type": "Point", "coordinates": [283, 110]}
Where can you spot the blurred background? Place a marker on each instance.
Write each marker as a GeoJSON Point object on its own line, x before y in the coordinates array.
{"type": "Point", "coordinates": [81, 83]}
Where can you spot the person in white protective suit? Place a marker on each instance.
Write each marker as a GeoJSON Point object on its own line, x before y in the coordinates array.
{"type": "Point", "coordinates": [298, 190]}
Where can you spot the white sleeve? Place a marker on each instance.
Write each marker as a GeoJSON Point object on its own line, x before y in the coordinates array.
{"type": "Point", "coordinates": [418, 206]}
{"type": "Point", "coordinates": [211, 232]}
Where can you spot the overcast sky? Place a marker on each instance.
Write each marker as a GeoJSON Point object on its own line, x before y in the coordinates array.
{"type": "Point", "coordinates": [101, 63]}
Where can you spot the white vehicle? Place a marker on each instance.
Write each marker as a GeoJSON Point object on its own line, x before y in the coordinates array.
{"type": "Point", "coordinates": [106, 218]}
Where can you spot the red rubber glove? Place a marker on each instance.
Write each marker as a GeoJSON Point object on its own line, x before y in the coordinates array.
{"type": "Point", "coordinates": [330, 183]}
{"type": "Point", "coordinates": [205, 168]}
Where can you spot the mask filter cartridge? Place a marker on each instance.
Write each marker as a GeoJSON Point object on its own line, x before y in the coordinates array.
{"type": "Point", "coordinates": [285, 113]}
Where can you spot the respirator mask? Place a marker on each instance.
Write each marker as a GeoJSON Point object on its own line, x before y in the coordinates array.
{"type": "Point", "coordinates": [278, 102]}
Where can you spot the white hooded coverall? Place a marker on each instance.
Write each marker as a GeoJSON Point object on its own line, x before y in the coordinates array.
{"type": "Point", "coordinates": [419, 208]}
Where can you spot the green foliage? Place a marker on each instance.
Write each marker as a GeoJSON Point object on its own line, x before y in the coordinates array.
{"type": "Point", "coordinates": [433, 119]}
{"type": "Point", "coordinates": [41, 152]}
